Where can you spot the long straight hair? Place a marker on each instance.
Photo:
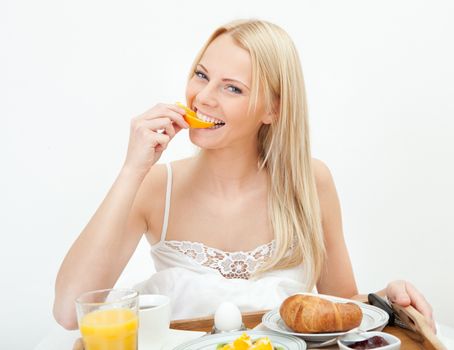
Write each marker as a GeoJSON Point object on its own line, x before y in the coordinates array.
{"type": "Point", "coordinates": [283, 146]}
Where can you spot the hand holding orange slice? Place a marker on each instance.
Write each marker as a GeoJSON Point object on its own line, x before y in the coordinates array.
{"type": "Point", "coordinates": [192, 120]}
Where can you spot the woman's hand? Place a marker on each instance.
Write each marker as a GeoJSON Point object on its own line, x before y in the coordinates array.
{"type": "Point", "coordinates": [150, 134]}
{"type": "Point", "coordinates": [404, 293]}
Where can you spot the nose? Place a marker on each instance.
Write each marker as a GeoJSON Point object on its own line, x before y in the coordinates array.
{"type": "Point", "coordinates": [207, 96]}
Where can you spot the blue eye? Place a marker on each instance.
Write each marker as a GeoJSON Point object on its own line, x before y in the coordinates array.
{"type": "Point", "coordinates": [200, 74]}
{"type": "Point", "coordinates": [234, 89]}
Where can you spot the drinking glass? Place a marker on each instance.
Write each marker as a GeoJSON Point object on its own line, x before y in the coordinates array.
{"type": "Point", "coordinates": [108, 319]}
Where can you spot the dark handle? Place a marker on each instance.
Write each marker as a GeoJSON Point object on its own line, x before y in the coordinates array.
{"type": "Point", "coordinates": [381, 303]}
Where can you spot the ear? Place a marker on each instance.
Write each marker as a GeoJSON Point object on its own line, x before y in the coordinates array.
{"type": "Point", "coordinates": [270, 116]}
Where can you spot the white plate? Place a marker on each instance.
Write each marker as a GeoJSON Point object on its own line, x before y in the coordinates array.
{"type": "Point", "coordinates": [374, 318]}
{"type": "Point", "coordinates": [209, 342]}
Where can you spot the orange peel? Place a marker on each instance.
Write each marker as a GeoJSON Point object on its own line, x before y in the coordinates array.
{"type": "Point", "coordinates": [192, 120]}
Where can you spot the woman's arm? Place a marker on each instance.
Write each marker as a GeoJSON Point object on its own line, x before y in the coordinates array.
{"type": "Point", "coordinates": [337, 278]}
{"type": "Point", "coordinates": [102, 250]}
{"type": "Point", "coordinates": [100, 253]}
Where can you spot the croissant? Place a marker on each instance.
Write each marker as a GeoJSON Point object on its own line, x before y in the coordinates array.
{"type": "Point", "coordinates": [310, 314]}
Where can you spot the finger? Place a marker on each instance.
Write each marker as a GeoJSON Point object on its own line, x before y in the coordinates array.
{"type": "Point", "coordinates": [170, 130]}
{"type": "Point", "coordinates": [179, 120]}
{"type": "Point", "coordinates": [181, 112]}
{"type": "Point", "coordinates": [153, 127]}
{"type": "Point", "coordinates": [160, 141]}
{"type": "Point", "coordinates": [167, 127]}
{"type": "Point", "coordinates": [177, 109]}
{"type": "Point", "coordinates": [158, 124]}
{"type": "Point", "coordinates": [397, 293]}
{"type": "Point", "coordinates": [170, 111]}
{"type": "Point", "coordinates": [176, 118]}
{"type": "Point", "coordinates": [177, 128]}
{"type": "Point", "coordinates": [145, 119]}
{"type": "Point", "coordinates": [420, 303]}
{"type": "Point", "coordinates": [404, 293]}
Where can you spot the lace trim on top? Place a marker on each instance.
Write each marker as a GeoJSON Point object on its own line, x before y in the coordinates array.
{"type": "Point", "coordinates": [229, 264]}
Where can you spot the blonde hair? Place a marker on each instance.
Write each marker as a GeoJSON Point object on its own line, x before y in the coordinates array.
{"type": "Point", "coordinates": [284, 147]}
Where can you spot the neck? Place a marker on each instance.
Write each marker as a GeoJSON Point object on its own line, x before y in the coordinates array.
{"type": "Point", "coordinates": [227, 173]}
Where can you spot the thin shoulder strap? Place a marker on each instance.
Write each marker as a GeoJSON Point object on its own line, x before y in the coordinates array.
{"type": "Point", "coordinates": [167, 203]}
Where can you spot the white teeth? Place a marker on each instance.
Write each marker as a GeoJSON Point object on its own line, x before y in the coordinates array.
{"type": "Point", "coordinates": [217, 126]}
{"type": "Point", "coordinates": [208, 119]}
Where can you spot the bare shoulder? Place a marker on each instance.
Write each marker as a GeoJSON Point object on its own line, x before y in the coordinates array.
{"type": "Point", "coordinates": [150, 186]}
{"type": "Point", "coordinates": [155, 182]}
{"type": "Point", "coordinates": [155, 178]}
{"type": "Point", "coordinates": [150, 199]}
{"type": "Point", "coordinates": [327, 195]}
{"type": "Point", "coordinates": [323, 178]}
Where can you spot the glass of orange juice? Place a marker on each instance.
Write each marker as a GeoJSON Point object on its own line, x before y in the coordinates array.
{"type": "Point", "coordinates": [108, 319]}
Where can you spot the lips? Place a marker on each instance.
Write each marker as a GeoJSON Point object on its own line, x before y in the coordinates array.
{"type": "Point", "coordinates": [208, 118]}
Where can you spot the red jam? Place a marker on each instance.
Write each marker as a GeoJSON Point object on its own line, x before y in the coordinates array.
{"type": "Point", "coordinates": [370, 343]}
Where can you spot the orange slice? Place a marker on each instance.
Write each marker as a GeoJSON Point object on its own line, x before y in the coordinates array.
{"type": "Point", "coordinates": [192, 120]}
{"type": "Point", "coordinates": [242, 343]}
{"type": "Point", "coordinates": [262, 344]}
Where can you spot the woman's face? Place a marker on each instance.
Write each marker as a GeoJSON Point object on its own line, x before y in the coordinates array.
{"type": "Point", "coordinates": [220, 89]}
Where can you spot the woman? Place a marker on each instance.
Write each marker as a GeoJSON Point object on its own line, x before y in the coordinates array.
{"type": "Point", "coordinates": [251, 219]}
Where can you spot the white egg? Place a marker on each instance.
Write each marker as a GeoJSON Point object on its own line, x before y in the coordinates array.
{"type": "Point", "coordinates": [227, 317]}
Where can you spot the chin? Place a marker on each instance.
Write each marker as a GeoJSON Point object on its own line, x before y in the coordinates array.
{"type": "Point", "coordinates": [202, 141]}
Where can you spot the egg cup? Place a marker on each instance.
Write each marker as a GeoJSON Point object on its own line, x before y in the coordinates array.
{"type": "Point", "coordinates": [214, 330]}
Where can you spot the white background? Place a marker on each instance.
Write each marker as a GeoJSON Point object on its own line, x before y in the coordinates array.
{"type": "Point", "coordinates": [379, 77]}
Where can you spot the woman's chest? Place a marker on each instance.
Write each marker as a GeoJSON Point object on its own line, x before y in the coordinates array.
{"type": "Point", "coordinates": [228, 225]}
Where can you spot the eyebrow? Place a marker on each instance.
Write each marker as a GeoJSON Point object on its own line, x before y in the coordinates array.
{"type": "Point", "coordinates": [225, 79]}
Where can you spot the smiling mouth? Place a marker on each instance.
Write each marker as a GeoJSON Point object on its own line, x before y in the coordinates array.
{"type": "Point", "coordinates": [217, 123]}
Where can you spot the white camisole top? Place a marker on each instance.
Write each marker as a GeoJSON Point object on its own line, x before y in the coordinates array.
{"type": "Point", "coordinates": [197, 278]}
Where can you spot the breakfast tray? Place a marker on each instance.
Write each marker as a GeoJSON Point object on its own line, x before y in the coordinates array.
{"type": "Point", "coordinates": [419, 337]}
